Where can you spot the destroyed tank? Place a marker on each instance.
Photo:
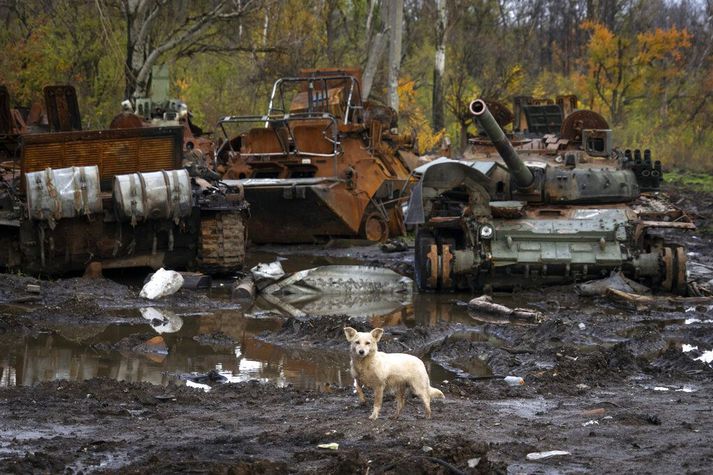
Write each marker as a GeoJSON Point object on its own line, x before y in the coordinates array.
{"type": "Point", "coordinates": [120, 197]}
{"type": "Point", "coordinates": [320, 163]}
{"type": "Point", "coordinates": [532, 217]}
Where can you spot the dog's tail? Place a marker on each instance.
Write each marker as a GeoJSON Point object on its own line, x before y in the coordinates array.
{"type": "Point", "coordinates": [435, 393]}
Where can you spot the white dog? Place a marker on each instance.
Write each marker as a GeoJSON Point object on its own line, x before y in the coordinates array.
{"type": "Point", "coordinates": [380, 371]}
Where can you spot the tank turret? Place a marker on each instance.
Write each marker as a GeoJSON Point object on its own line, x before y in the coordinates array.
{"type": "Point", "coordinates": [557, 184]}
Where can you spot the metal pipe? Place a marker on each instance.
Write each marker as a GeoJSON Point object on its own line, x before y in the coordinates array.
{"type": "Point", "coordinates": [523, 176]}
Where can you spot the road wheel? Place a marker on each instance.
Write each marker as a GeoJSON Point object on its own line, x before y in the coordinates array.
{"type": "Point", "coordinates": [374, 227]}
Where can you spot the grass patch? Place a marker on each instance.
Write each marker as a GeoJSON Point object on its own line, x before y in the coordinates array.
{"type": "Point", "coordinates": [693, 180]}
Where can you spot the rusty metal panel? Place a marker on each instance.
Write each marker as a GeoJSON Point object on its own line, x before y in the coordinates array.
{"type": "Point", "coordinates": [62, 108]}
{"type": "Point", "coordinates": [115, 152]}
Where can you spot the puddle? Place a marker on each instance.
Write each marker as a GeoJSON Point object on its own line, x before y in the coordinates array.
{"type": "Point", "coordinates": [170, 343]}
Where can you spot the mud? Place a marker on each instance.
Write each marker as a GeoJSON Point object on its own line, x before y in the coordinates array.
{"type": "Point", "coordinates": [91, 381]}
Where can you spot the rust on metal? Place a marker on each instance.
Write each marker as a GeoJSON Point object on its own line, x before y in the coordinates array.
{"type": "Point", "coordinates": [321, 163]}
{"type": "Point", "coordinates": [183, 220]}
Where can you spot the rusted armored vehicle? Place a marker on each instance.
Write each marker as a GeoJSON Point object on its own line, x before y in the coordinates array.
{"type": "Point", "coordinates": [530, 218]}
{"type": "Point", "coordinates": [121, 197]}
{"type": "Point", "coordinates": [320, 163]}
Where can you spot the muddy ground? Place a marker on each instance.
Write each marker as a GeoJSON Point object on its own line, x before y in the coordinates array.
{"type": "Point", "coordinates": [607, 382]}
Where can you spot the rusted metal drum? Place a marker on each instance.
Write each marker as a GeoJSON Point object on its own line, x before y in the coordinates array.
{"type": "Point", "coordinates": [156, 195]}
{"type": "Point", "coordinates": [53, 194]}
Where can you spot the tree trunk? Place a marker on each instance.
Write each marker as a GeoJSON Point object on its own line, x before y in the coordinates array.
{"type": "Point", "coordinates": [376, 52]}
{"type": "Point", "coordinates": [438, 118]}
{"type": "Point", "coordinates": [136, 46]}
{"type": "Point", "coordinates": [463, 136]}
{"type": "Point", "coordinates": [395, 22]}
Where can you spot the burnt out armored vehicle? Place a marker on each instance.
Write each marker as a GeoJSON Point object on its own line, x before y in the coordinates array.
{"type": "Point", "coordinates": [530, 218]}
{"type": "Point", "coordinates": [121, 197]}
{"type": "Point", "coordinates": [320, 164]}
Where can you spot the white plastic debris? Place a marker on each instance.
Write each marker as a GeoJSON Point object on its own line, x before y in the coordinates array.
{"type": "Point", "coordinates": [271, 271]}
{"type": "Point", "coordinates": [330, 446]}
{"type": "Point", "coordinates": [514, 380]}
{"type": "Point", "coordinates": [162, 283]}
{"type": "Point", "coordinates": [544, 455]}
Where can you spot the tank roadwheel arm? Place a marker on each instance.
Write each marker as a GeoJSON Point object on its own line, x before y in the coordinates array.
{"type": "Point", "coordinates": [426, 261]}
{"type": "Point", "coordinates": [433, 262]}
{"type": "Point", "coordinates": [680, 280]}
{"type": "Point", "coordinates": [374, 227]}
{"type": "Point", "coordinates": [675, 260]}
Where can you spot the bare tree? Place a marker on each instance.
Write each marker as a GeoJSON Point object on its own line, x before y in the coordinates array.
{"type": "Point", "coordinates": [395, 22]}
{"type": "Point", "coordinates": [375, 47]}
{"type": "Point", "coordinates": [157, 27]}
{"type": "Point", "coordinates": [439, 66]}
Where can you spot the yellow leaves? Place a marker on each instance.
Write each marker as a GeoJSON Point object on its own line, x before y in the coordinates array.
{"type": "Point", "coordinates": [621, 69]}
{"type": "Point", "coordinates": [415, 118]}
{"type": "Point", "coordinates": [182, 85]}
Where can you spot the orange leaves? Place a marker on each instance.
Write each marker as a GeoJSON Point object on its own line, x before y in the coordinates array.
{"type": "Point", "coordinates": [621, 69]}
{"type": "Point", "coordinates": [662, 45]}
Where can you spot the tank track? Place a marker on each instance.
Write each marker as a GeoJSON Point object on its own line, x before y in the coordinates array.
{"type": "Point", "coordinates": [222, 242]}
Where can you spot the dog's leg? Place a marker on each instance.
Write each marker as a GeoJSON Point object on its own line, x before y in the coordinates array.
{"type": "Point", "coordinates": [378, 397]}
{"type": "Point", "coordinates": [426, 399]}
{"type": "Point", "coordinates": [400, 400]}
{"type": "Point", "coordinates": [359, 391]}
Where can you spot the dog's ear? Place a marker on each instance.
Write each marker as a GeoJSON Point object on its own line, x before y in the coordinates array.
{"type": "Point", "coordinates": [377, 333]}
{"type": "Point", "coordinates": [350, 333]}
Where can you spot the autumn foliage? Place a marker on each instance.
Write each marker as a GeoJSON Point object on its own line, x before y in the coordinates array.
{"type": "Point", "coordinates": [646, 65]}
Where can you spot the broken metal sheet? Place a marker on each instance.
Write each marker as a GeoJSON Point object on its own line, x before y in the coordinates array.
{"type": "Point", "coordinates": [355, 305]}
{"type": "Point", "coordinates": [616, 281]}
{"type": "Point", "coordinates": [338, 279]}
{"type": "Point", "coordinates": [338, 289]}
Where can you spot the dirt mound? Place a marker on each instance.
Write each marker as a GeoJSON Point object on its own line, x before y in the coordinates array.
{"type": "Point", "coordinates": [37, 462]}
{"type": "Point", "coordinates": [325, 330]}
{"type": "Point", "coordinates": [674, 363]}
{"type": "Point", "coordinates": [328, 332]}
{"type": "Point", "coordinates": [199, 462]}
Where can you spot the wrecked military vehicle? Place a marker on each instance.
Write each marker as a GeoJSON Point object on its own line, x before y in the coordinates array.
{"type": "Point", "coordinates": [320, 164]}
{"type": "Point", "coordinates": [552, 214]}
{"type": "Point", "coordinates": [121, 197]}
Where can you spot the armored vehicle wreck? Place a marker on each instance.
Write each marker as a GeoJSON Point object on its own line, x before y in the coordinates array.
{"type": "Point", "coordinates": [120, 197]}
{"type": "Point", "coordinates": [319, 164]}
{"type": "Point", "coordinates": [533, 218]}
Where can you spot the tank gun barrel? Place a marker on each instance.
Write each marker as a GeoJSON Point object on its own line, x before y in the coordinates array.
{"type": "Point", "coordinates": [523, 176]}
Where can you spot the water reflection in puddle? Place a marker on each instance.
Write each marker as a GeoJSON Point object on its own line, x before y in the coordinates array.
{"type": "Point", "coordinates": [174, 343]}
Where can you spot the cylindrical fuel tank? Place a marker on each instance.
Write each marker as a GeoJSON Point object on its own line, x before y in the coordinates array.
{"type": "Point", "coordinates": [63, 193]}
{"type": "Point", "coordinates": [155, 195]}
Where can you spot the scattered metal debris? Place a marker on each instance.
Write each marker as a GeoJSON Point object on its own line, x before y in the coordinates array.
{"type": "Point", "coordinates": [353, 290]}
